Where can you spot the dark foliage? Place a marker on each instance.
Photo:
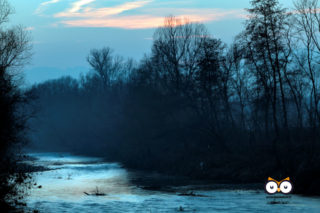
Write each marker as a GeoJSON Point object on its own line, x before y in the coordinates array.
{"type": "Point", "coordinates": [14, 51]}
{"type": "Point", "coordinates": [197, 107]}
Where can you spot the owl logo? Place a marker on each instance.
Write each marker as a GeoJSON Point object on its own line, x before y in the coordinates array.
{"type": "Point", "coordinates": [273, 186]}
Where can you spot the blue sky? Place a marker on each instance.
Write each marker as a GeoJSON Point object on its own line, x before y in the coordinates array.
{"type": "Point", "coordinates": [64, 31]}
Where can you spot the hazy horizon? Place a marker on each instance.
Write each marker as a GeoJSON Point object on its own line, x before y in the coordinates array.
{"type": "Point", "coordinates": [63, 32]}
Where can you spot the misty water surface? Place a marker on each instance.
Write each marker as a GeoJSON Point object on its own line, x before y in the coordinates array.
{"type": "Point", "coordinates": [62, 190]}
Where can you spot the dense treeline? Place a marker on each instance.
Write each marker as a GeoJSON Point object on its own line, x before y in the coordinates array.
{"type": "Point", "coordinates": [14, 51]}
{"type": "Point", "coordinates": [198, 107]}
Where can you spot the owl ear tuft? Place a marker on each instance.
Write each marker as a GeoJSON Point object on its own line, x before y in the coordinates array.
{"type": "Point", "coordinates": [269, 178]}
{"type": "Point", "coordinates": [286, 179]}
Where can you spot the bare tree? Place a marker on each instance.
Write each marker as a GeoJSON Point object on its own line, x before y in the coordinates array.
{"type": "Point", "coordinates": [267, 51]}
{"type": "Point", "coordinates": [108, 67]}
{"type": "Point", "coordinates": [5, 11]}
{"type": "Point", "coordinates": [175, 50]}
{"type": "Point", "coordinates": [15, 49]}
{"type": "Point", "coordinates": [14, 52]}
{"type": "Point", "coordinates": [307, 19]}
{"type": "Point", "coordinates": [240, 80]}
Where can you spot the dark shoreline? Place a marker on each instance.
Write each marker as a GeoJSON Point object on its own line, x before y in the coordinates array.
{"type": "Point", "coordinates": [154, 181]}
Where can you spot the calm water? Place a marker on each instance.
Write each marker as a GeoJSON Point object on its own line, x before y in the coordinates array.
{"type": "Point", "coordinates": [63, 190]}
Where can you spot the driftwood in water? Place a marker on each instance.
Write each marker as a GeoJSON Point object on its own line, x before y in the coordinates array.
{"type": "Point", "coordinates": [96, 193]}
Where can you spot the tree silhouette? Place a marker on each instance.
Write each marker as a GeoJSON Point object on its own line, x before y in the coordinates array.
{"type": "Point", "coordinates": [14, 52]}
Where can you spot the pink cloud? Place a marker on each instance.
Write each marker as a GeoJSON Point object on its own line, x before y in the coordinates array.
{"type": "Point", "coordinates": [80, 14]}
{"type": "Point", "coordinates": [101, 12]}
{"type": "Point", "coordinates": [76, 6]}
{"type": "Point", "coordinates": [151, 21]}
{"type": "Point", "coordinates": [44, 5]}
{"type": "Point", "coordinates": [131, 22]}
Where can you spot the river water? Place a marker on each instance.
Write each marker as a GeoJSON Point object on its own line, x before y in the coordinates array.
{"type": "Point", "coordinates": [63, 189]}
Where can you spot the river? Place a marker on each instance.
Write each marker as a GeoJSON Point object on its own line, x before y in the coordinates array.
{"type": "Point", "coordinates": [73, 181]}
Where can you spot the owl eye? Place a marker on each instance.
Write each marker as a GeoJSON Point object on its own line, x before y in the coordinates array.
{"type": "Point", "coordinates": [286, 187]}
{"type": "Point", "coordinates": [271, 187]}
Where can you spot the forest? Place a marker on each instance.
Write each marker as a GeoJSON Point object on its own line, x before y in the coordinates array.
{"type": "Point", "coordinates": [195, 106]}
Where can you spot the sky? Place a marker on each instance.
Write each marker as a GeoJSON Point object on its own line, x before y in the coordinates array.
{"type": "Point", "coordinates": [64, 31]}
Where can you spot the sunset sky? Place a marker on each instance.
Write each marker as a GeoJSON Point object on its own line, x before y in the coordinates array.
{"type": "Point", "coordinates": [64, 31]}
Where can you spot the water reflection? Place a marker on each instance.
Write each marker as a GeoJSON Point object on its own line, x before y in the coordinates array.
{"type": "Point", "coordinates": [70, 176]}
